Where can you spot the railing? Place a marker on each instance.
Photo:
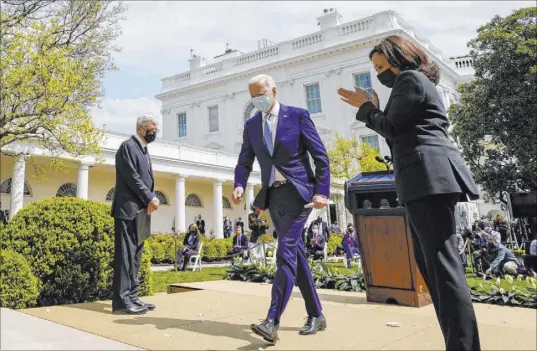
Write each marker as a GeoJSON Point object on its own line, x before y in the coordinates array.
{"type": "Point", "coordinates": [354, 27]}
{"type": "Point", "coordinates": [257, 55]}
{"type": "Point", "coordinates": [464, 62]}
{"type": "Point", "coordinates": [307, 41]}
{"type": "Point", "coordinates": [217, 67]}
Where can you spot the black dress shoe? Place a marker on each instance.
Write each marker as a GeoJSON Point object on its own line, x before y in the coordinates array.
{"type": "Point", "coordinates": [313, 325]}
{"type": "Point", "coordinates": [130, 309]}
{"type": "Point", "coordinates": [136, 300]}
{"type": "Point", "coordinates": [268, 330]}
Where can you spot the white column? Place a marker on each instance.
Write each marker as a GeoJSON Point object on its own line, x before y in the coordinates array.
{"type": "Point", "coordinates": [218, 210]}
{"type": "Point", "coordinates": [180, 209]}
{"type": "Point", "coordinates": [249, 201]}
{"type": "Point", "coordinates": [17, 185]}
{"type": "Point", "coordinates": [83, 181]}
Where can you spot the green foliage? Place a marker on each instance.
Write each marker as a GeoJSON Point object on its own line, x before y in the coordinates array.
{"type": "Point", "coordinates": [491, 292]}
{"type": "Point", "coordinates": [251, 273]}
{"type": "Point", "coordinates": [18, 285]}
{"type": "Point", "coordinates": [68, 243]}
{"type": "Point", "coordinates": [162, 279]}
{"type": "Point", "coordinates": [348, 157]}
{"type": "Point", "coordinates": [334, 241]}
{"type": "Point", "coordinates": [145, 275]}
{"type": "Point", "coordinates": [54, 57]}
{"type": "Point", "coordinates": [165, 246]}
{"type": "Point", "coordinates": [495, 121]}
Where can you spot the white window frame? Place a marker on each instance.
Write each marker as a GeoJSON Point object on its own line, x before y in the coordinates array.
{"type": "Point", "coordinates": [359, 73]}
{"type": "Point", "coordinates": [370, 135]}
{"type": "Point", "coordinates": [209, 118]}
{"type": "Point", "coordinates": [179, 126]}
{"type": "Point", "coordinates": [320, 97]}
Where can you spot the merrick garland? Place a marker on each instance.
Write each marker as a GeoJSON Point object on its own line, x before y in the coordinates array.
{"type": "Point", "coordinates": [282, 138]}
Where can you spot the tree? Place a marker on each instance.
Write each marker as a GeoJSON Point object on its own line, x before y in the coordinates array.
{"type": "Point", "coordinates": [495, 122]}
{"type": "Point", "coordinates": [348, 157]}
{"type": "Point", "coordinates": [53, 58]}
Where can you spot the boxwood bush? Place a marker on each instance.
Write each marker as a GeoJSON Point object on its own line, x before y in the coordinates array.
{"type": "Point", "coordinates": [69, 245]}
{"type": "Point", "coordinates": [18, 285]}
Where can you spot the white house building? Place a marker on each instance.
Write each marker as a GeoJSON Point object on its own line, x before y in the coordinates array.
{"type": "Point", "coordinates": [204, 110]}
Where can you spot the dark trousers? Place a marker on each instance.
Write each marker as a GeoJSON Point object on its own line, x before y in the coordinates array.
{"type": "Point", "coordinates": [182, 257]}
{"type": "Point", "coordinates": [288, 215]}
{"type": "Point", "coordinates": [127, 257]}
{"type": "Point", "coordinates": [437, 256]}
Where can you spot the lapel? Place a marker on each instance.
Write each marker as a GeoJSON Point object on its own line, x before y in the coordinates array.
{"type": "Point", "coordinates": [282, 119]}
{"type": "Point", "coordinates": [147, 159]}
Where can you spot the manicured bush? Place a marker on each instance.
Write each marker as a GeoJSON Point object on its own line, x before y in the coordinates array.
{"type": "Point", "coordinates": [145, 275]}
{"type": "Point", "coordinates": [69, 245]}
{"type": "Point", "coordinates": [333, 243]}
{"type": "Point", "coordinates": [18, 285]}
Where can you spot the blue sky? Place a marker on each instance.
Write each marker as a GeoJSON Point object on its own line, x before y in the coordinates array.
{"type": "Point", "coordinates": [158, 35]}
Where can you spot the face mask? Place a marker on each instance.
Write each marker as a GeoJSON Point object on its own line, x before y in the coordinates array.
{"type": "Point", "coordinates": [262, 103]}
{"type": "Point", "coordinates": [387, 78]}
{"type": "Point", "coordinates": [150, 136]}
{"type": "Point", "coordinates": [319, 219]}
{"type": "Point", "coordinates": [315, 231]}
{"type": "Point", "coordinates": [349, 230]}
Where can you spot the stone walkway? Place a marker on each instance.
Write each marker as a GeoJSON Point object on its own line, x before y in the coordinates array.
{"type": "Point", "coordinates": [217, 315]}
{"type": "Point", "coordinates": [20, 331]}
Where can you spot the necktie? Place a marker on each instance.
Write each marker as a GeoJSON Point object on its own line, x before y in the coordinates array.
{"type": "Point", "coordinates": [267, 136]}
{"type": "Point", "coordinates": [146, 154]}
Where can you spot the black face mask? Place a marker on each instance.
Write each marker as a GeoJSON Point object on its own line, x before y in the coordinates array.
{"type": "Point", "coordinates": [150, 136]}
{"type": "Point", "coordinates": [350, 230]}
{"type": "Point", "coordinates": [387, 78]}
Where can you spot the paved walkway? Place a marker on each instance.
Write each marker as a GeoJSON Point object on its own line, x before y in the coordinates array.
{"type": "Point", "coordinates": [169, 267]}
{"type": "Point", "coordinates": [218, 317]}
{"type": "Point", "coordinates": [21, 331]}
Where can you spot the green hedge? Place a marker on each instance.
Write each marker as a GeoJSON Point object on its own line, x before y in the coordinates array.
{"type": "Point", "coordinates": [333, 243]}
{"type": "Point", "coordinates": [18, 285]}
{"type": "Point", "coordinates": [69, 245]}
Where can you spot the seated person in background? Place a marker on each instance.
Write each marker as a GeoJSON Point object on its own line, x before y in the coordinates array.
{"type": "Point", "coordinates": [316, 241]}
{"type": "Point", "coordinates": [334, 228]}
{"type": "Point", "coordinates": [502, 261]}
{"type": "Point", "coordinates": [350, 244]}
{"type": "Point", "coordinates": [460, 244]}
{"type": "Point", "coordinates": [322, 227]}
{"type": "Point", "coordinates": [240, 242]}
{"type": "Point", "coordinates": [190, 245]}
{"type": "Point", "coordinates": [489, 232]}
{"type": "Point", "coordinates": [478, 241]}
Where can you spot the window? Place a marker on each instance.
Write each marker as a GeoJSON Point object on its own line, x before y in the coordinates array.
{"type": "Point", "coordinates": [5, 188]}
{"type": "Point", "coordinates": [68, 189]}
{"type": "Point", "coordinates": [225, 203]}
{"type": "Point", "coordinates": [111, 194]}
{"type": "Point", "coordinates": [213, 119]}
{"type": "Point", "coordinates": [193, 200]}
{"type": "Point", "coordinates": [313, 98]}
{"type": "Point", "coordinates": [363, 80]}
{"type": "Point", "coordinates": [373, 141]}
{"type": "Point", "coordinates": [181, 122]}
{"type": "Point", "coordinates": [161, 197]}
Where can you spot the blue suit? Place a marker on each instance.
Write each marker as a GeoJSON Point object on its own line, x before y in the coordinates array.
{"type": "Point", "coordinates": [296, 136]}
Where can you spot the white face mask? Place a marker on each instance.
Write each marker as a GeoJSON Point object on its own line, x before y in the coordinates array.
{"type": "Point", "coordinates": [262, 103]}
{"type": "Point", "coordinates": [315, 231]}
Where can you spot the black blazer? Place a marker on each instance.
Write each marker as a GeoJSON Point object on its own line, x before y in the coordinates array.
{"type": "Point", "coordinates": [134, 180]}
{"type": "Point", "coordinates": [415, 125]}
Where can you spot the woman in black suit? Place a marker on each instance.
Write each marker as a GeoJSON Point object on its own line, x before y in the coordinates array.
{"type": "Point", "coordinates": [430, 176]}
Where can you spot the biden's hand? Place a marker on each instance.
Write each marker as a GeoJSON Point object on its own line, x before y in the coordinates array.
{"type": "Point", "coordinates": [236, 196]}
{"type": "Point", "coordinates": [319, 201]}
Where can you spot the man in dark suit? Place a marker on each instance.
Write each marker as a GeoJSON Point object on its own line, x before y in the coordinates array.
{"type": "Point", "coordinates": [240, 223]}
{"type": "Point", "coordinates": [240, 242]}
{"type": "Point", "coordinates": [322, 227]}
{"type": "Point", "coordinates": [134, 194]}
{"type": "Point", "coordinates": [316, 241]}
{"type": "Point", "coordinates": [282, 138]}
{"type": "Point", "coordinates": [430, 176]}
{"type": "Point", "coordinates": [201, 225]}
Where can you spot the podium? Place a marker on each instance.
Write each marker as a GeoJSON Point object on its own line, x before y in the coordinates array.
{"type": "Point", "coordinates": [386, 247]}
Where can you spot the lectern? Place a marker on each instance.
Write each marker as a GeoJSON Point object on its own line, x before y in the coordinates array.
{"type": "Point", "coordinates": [388, 263]}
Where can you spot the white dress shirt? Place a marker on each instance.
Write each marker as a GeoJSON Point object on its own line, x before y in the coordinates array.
{"type": "Point", "coordinates": [278, 177]}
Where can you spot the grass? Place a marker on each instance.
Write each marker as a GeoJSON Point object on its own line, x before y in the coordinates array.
{"type": "Point", "coordinates": [162, 279]}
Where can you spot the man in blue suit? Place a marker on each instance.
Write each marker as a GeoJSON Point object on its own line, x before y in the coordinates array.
{"type": "Point", "coordinates": [281, 137]}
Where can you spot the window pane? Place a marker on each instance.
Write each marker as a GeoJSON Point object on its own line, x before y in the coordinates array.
{"type": "Point", "coordinates": [363, 80]}
{"type": "Point", "coordinates": [181, 121]}
{"type": "Point", "coordinates": [313, 98]}
{"type": "Point", "coordinates": [373, 141]}
{"type": "Point", "coordinates": [213, 119]}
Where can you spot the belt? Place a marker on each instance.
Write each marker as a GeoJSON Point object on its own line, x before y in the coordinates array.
{"type": "Point", "coordinates": [278, 183]}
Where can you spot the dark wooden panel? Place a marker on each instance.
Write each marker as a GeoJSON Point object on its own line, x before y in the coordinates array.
{"type": "Point", "coordinates": [389, 263]}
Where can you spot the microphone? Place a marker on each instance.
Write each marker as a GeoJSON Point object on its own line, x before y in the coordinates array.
{"type": "Point", "coordinates": [379, 159]}
{"type": "Point", "coordinates": [388, 158]}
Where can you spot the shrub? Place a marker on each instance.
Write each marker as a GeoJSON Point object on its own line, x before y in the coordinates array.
{"type": "Point", "coordinates": [333, 243]}
{"type": "Point", "coordinates": [69, 245]}
{"type": "Point", "coordinates": [18, 285]}
{"type": "Point", "coordinates": [145, 275]}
